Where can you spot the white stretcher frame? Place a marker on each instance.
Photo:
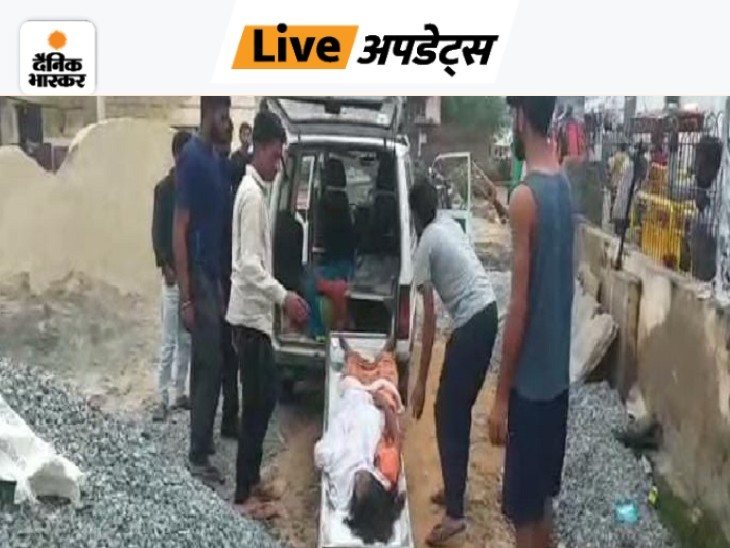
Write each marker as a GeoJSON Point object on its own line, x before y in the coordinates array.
{"type": "Point", "coordinates": [367, 345]}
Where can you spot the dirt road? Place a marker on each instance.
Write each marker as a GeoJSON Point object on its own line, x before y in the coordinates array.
{"type": "Point", "coordinates": [486, 526]}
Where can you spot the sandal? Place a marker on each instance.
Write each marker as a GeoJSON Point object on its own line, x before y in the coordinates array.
{"type": "Point", "coordinates": [441, 534]}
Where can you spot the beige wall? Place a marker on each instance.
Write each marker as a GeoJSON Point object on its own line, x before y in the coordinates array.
{"type": "Point", "coordinates": [64, 116]}
{"type": "Point", "coordinates": [177, 111]}
{"type": "Point", "coordinates": [674, 341]}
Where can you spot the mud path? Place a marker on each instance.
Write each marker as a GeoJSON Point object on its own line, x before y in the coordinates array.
{"type": "Point", "coordinates": [486, 525]}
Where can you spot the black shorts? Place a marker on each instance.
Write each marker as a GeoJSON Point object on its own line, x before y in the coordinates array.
{"type": "Point", "coordinates": [534, 456]}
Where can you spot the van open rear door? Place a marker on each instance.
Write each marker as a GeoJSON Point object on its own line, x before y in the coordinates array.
{"type": "Point", "coordinates": [451, 172]}
{"type": "Point", "coordinates": [376, 117]}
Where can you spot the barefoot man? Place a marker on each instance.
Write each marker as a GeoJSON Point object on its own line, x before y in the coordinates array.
{"type": "Point", "coordinates": [531, 407]}
{"type": "Point", "coordinates": [446, 262]}
{"type": "Point", "coordinates": [254, 294]}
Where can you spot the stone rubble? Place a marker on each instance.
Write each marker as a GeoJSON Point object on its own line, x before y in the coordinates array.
{"type": "Point", "coordinates": [135, 495]}
{"type": "Point", "coordinates": [600, 473]}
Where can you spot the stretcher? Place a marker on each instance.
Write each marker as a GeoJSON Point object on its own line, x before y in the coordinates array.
{"type": "Point", "coordinates": [333, 532]}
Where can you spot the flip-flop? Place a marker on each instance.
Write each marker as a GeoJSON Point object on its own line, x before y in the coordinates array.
{"type": "Point", "coordinates": [439, 536]}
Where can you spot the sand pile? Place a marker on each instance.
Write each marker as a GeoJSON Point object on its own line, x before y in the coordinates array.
{"type": "Point", "coordinates": [94, 215]}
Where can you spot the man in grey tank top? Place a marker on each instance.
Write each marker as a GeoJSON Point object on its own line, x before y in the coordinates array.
{"type": "Point", "coordinates": [531, 406]}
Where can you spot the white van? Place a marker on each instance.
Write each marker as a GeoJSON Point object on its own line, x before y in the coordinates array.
{"type": "Point", "coordinates": [345, 152]}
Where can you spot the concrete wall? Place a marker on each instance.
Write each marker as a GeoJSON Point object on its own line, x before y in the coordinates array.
{"type": "Point", "coordinates": [674, 341]}
{"type": "Point", "coordinates": [64, 116]}
{"type": "Point", "coordinates": [183, 111]}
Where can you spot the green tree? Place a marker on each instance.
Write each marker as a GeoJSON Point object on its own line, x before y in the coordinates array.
{"type": "Point", "coordinates": [482, 114]}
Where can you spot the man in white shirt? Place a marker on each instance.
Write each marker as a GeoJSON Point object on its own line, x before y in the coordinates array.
{"type": "Point", "coordinates": [254, 294]}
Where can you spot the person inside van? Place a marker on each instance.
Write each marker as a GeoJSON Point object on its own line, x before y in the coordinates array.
{"type": "Point", "coordinates": [329, 279]}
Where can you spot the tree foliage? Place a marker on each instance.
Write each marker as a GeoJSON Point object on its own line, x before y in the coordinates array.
{"type": "Point", "coordinates": [483, 114]}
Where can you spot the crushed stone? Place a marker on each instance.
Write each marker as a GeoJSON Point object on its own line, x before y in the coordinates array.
{"type": "Point", "coordinates": [135, 495]}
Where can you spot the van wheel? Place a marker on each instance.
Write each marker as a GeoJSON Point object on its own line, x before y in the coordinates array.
{"type": "Point", "coordinates": [286, 391]}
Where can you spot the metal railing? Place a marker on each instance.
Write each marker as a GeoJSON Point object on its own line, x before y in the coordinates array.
{"type": "Point", "coordinates": [673, 216]}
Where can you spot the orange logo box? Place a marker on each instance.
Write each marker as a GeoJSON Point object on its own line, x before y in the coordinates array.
{"type": "Point", "coordinates": [295, 47]}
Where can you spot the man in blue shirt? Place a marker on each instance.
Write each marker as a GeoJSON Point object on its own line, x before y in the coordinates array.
{"type": "Point", "coordinates": [199, 217]}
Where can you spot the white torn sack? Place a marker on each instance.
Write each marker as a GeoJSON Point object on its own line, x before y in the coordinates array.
{"type": "Point", "coordinates": [33, 464]}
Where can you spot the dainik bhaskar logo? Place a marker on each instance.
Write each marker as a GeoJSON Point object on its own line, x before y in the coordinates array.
{"type": "Point", "coordinates": [57, 59]}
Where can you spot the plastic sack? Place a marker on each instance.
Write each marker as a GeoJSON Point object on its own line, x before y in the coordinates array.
{"type": "Point", "coordinates": [33, 464]}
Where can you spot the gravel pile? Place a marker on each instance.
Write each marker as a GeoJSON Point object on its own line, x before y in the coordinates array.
{"type": "Point", "coordinates": [173, 437]}
{"type": "Point", "coordinates": [599, 473]}
{"type": "Point", "coordinates": [135, 496]}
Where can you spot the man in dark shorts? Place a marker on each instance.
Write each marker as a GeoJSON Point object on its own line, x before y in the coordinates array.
{"type": "Point", "coordinates": [446, 262]}
{"type": "Point", "coordinates": [200, 210]}
{"type": "Point", "coordinates": [530, 411]}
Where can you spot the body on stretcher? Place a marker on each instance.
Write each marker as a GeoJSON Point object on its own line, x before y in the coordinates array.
{"type": "Point", "coordinates": [333, 531]}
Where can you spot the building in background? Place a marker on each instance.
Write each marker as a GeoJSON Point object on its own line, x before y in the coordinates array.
{"type": "Point", "coordinates": [423, 117]}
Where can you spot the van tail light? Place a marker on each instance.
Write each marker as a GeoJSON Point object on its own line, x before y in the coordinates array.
{"type": "Point", "coordinates": [404, 313]}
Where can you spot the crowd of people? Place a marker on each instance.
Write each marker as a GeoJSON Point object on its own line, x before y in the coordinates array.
{"type": "Point", "coordinates": [212, 241]}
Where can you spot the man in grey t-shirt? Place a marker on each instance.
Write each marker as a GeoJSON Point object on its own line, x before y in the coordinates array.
{"type": "Point", "coordinates": [446, 262]}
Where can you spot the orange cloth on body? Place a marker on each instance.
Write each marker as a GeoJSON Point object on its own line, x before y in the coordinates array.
{"type": "Point", "coordinates": [388, 461]}
{"type": "Point", "coordinates": [367, 372]}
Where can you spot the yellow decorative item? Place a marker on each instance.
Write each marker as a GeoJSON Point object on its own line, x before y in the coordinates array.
{"type": "Point", "coordinates": [662, 227]}
{"type": "Point", "coordinates": [658, 180]}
